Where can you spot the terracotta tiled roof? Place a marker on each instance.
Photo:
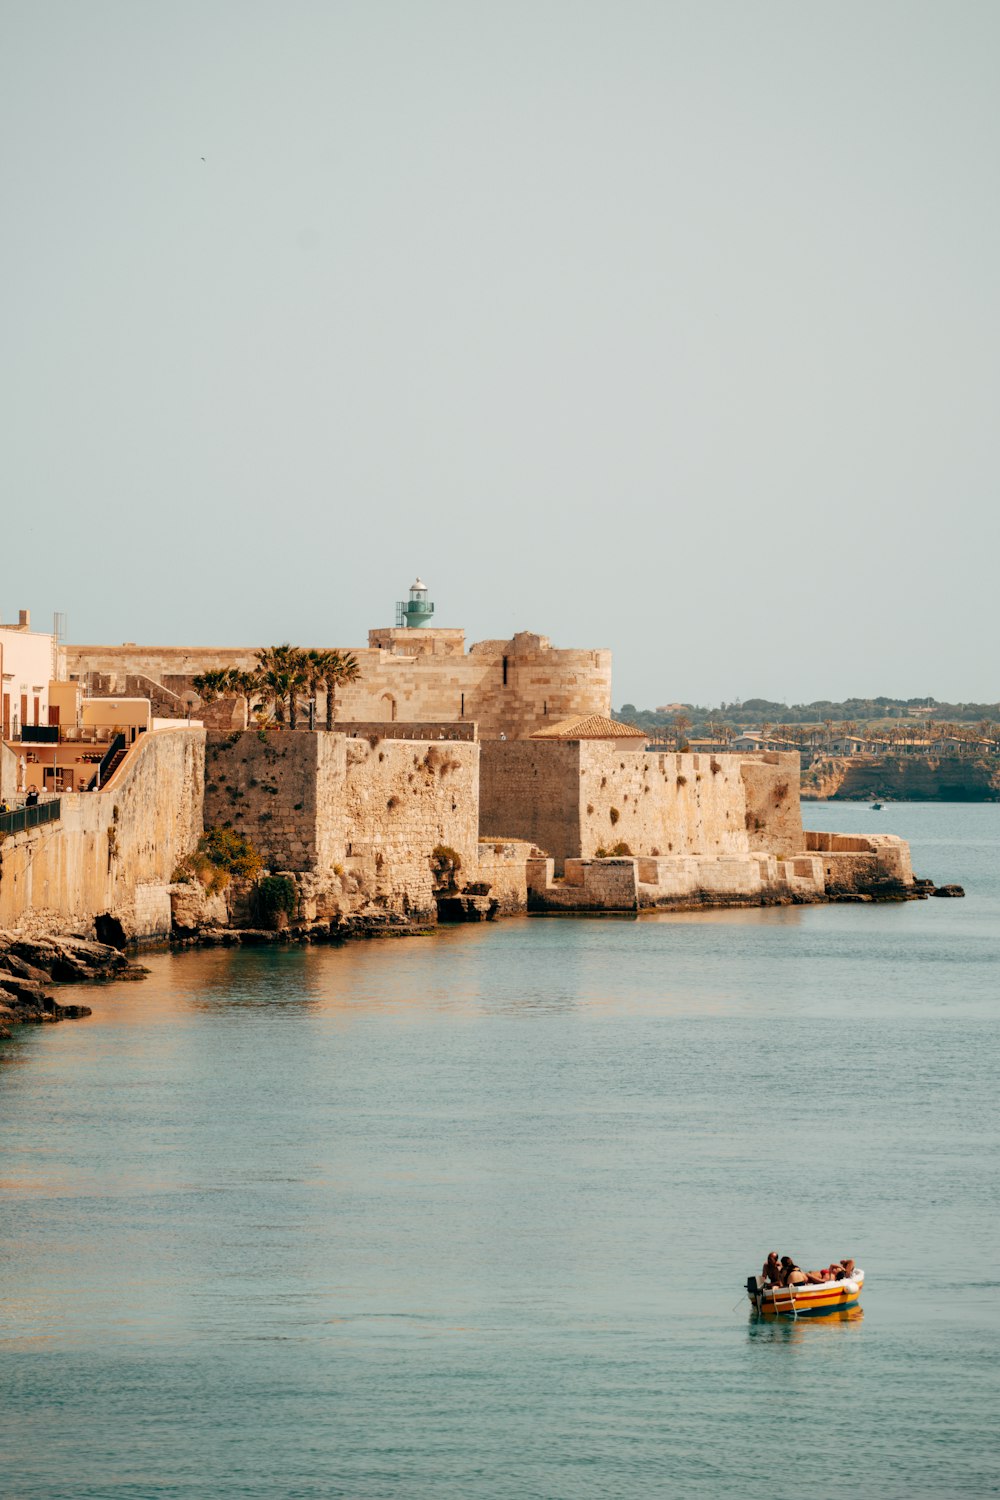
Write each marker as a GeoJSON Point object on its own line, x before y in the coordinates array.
{"type": "Point", "coordinates": [590, 727]}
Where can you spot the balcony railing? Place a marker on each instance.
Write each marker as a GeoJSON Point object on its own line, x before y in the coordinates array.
{"type": "Point", "coordinates": [39, 734]}
{"type": "Point", "coordinates": [30, 817]}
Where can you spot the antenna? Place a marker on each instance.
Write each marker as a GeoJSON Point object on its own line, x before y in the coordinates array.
{"type": "Point", "coordinates": [59, 626]}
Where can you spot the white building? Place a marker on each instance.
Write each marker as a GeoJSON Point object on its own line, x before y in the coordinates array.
{"type": "Point", "coordinates": [27, 666]}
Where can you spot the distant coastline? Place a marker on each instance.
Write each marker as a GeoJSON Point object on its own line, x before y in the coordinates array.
{"type": "Point", "coordinates": [923, 778]}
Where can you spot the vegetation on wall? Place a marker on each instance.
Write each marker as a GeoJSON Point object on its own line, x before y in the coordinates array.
{"type": "Point", "coordinates": [272, 899]}
{"type": "Point", "coordinates": [221, 854]}
{"type": "Point", "coordinates": [445, 863]}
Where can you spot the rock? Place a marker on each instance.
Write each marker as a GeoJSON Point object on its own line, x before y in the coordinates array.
{"type": "Point", "coordinates": [66, 970]}
{"type": "Point", "coordinates": [948, 890]}
{"type": "Point", "coordinates": [25, 992]}
{"type": "Point", "coordinates": [466, 908]}
{"type": "Point", "coordinates": [76, 1012]}
{"type": "Point", "coordinates": [94, 955]}
{"type": "Point", "coordinates": [10, 963]}
{"type": "Point", "coordinates": [193, 908]}
{"type": "Point", "coordinates": [41, 954]}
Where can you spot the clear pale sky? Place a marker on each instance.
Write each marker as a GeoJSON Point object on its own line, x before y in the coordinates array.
{"type": "Point", "coordinates": [668, 327]}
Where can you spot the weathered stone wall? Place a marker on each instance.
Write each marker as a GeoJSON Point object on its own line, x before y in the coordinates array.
{"type": "Point", "coordinates": [323, 802]}
{"type": "Point", "coordinates": [573, 798]}
{"type": "Point", "coordinates": [529, 789]}
{"type": "Point", "coordinates": [402, 800]}
{"type": "Point", "coordinates": [282, 791]}
{"type": "Point", "coordinates": [114, 850]}
{"type": "Point", "coordinates": [503, 867]}
{"type": "Point", "coordinates": [511, 687]}
{"type": "Point", "coordinates": [773, 810]}
{"type": "Point", "coordinates": [406, 730]}
{"type": "Point", "coordinates": [853, 862]}
{"type": "Point", "coordinates": [660, 803]}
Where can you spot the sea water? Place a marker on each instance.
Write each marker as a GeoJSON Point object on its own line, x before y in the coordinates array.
{"type": "Point", "coordinates": [470, 1215]}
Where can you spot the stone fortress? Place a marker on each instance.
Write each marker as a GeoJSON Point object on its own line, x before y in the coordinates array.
{"type": "Point", "coordinates": [460, 782]}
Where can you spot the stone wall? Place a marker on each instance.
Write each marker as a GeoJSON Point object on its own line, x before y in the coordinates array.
{"type": "Point", "coordinates": [572, 798]}
{"type": "Point", "coordinates": [282, 791]}
{"type": "Point", "coordinates": [529, 789]}
{"type": "Point", "coordinates": [111, 851]}
{"type": "Point", "coordinates": [773, 810]}
{"type": "Point", "coordinates": [503, 867]}
{"type": "Point", "coordinates": [631, 885]}
{"type": "Point", "coordinates": [324, 803]}
{"type": "Point", "coordinates": [403, 799]}
{"type": "Point", "coordinates": [405, 730]}
{"type": "Point", "coordinates": [506, 687]}
{"type": "Point", "coordinates": [861, 862]}
{"type": "Point", "coordinates": [660, 804]}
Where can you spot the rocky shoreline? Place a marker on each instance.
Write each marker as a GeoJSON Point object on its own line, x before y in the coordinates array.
{"type": "Point", "coordinates": [29, 966]}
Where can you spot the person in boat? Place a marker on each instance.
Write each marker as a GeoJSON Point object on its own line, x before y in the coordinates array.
{"type": "Point", "coordinates": [847, 1266]}
{"type": "Point", "coordinates": [771, 1271]}
{"type": "Point", "coordinates": [791, 1274]}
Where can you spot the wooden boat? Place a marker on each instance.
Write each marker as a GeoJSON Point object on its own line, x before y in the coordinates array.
{"type": "Point", "coordinates": [814, 1300]}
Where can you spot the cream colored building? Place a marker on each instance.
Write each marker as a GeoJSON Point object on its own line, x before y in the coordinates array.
{"type": "Point", "coordinates": [27, 665]}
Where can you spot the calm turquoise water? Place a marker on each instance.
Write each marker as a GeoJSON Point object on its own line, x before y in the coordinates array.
{"type": "Point", "coordinates": [470, 1215]}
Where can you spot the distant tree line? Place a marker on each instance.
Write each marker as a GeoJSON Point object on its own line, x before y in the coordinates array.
{"type": "Point", "coordinates": [847, 715]}
{"type": "Point", "coordinates": [283, 679]}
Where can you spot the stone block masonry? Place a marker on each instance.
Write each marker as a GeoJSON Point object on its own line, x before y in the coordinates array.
{"type": "Point", "coordinates": [505, 687]}
{"type": "Point", "coordinates": [326, 804]}
{"type": "Point", "coordinates": [574, 798]}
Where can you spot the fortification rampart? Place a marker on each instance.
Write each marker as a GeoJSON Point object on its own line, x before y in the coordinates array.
{"type": "Point", "coordinates": [509, 688]}
{"type": "Point", "coordinates": [372, 810]}
{"type": "Point", "coordinates": [574, 798]}
{"type": "Point", "coordinates": [112, 851]}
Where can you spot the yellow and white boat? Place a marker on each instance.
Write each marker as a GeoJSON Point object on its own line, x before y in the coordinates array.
{"type": "Point", "coordinates": [814, 1300]}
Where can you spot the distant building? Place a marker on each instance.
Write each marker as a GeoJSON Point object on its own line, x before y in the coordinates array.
{"type": "Point", "coordinates": [27, 666]}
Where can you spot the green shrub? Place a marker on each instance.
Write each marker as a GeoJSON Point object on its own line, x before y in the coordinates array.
{"type": "Point", "coordinates": [271, 899]}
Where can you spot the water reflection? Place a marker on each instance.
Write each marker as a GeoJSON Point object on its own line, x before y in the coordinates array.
{"type": "Point", "coordinates": [785, 1330]}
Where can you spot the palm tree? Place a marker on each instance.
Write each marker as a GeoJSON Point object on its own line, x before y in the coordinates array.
{"type": "Point", "coordinates": [275, 673]}
{"type": "Point", "coordinates": [681, 726]}
{"type": "Point", "coordinates": [244, 685]}
{"type": "Point", "coordinates": [341, 667]}
{"type": "Point", "coordinates": [211, 685]}
{"type": "Point", "coordinates": [318, 664]}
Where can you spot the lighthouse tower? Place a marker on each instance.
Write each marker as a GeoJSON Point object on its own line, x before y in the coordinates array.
{"type": "Point", "coordinates": [417, 610]}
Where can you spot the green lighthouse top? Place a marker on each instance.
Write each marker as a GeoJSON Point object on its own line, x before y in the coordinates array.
{"type": "Point", "coordinates": [416, 610]}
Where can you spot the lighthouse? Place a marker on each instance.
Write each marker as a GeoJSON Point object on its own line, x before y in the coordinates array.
{"type": "Point", "coordinates": [418, 609]}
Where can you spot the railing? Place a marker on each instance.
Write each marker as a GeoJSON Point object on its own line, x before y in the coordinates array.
{"type": "Point", "coordinates": [118, 743]}
{"type": "Point", "coordinates": [407, 607]}
{"type": "Point", "coordinates": [39, 734]}
{"type": "Point", "coordinates": [30, 817]}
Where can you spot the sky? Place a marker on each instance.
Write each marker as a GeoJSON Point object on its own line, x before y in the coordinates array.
{"type": "Point", "coordinates": [665, 327]}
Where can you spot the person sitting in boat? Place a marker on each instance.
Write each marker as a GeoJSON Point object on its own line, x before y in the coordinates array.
{"type": "Point", "coordinates": [771, 1271]}
{"type": "Point", "coordinates": [847, 1266]}
{"type": "Point", "coordinates": [791, 1274]}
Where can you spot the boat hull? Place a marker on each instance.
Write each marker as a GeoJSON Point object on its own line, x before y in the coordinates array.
{"type": "Point", "coordinates": [810, 1301]}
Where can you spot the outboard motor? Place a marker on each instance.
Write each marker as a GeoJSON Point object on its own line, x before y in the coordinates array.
{"type": "Point", "coordinates": [755, 1291]}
